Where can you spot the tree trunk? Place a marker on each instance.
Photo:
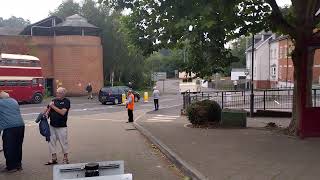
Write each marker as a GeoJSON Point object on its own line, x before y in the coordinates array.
{"type": "Point", "coordinates": [303, 70]}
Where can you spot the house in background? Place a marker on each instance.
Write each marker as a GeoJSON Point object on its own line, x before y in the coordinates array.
{"type": "Point", "coordinates": [261, 65]}
{"type": "Point", "coordinates": [274, 63]}
{"type": "Point", "coordinates": [273, 66]}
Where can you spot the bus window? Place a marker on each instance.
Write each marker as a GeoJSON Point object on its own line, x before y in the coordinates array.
{"type": "Point", "coordinates": [34, 82]}
{"type": "Point", "coordinates": [2, 83]}
{"type": "Point", "coordinates": [24, 83]}
{"type": "Point", "coordinates": [40, 81]}
{"type": "Point", "coordinates": [35, 64]}
{"type": "Point", "coordinates": [2, 62]}
{"type": "Point", "coordinates": [24, 63]}
{"type": "Point", "coordinates": [12, 83]}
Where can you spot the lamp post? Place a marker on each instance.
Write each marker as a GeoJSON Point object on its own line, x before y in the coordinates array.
{"type": "Point", "coordinates": [252, 66]}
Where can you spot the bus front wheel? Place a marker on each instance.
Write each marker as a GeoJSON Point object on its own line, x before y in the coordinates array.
{"type": "Point", "coordinates": [37, 98]}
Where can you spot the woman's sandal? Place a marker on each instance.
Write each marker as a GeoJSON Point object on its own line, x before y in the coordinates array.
{"type": "Point", "coordinates": [52, 162]}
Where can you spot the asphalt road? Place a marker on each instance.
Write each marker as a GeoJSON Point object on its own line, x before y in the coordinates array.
{"type": "Point", "coordinates": [82, 106]}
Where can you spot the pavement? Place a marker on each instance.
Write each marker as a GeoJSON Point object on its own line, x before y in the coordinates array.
{"type": "Point", "coordinates": [96, 133]}
{"type": "Point", "coordinates": [232, 154]}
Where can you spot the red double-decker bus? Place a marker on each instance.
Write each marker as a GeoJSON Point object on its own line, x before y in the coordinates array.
{"type": "Point", "coordinates": [21, 77]}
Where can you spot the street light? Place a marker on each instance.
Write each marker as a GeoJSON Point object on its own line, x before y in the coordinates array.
{"type": "Point", "coordinates": [252, 66]}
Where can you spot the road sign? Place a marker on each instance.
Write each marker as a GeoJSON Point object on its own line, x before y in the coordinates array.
{"type": "Point", "coordinates": [159, 76]}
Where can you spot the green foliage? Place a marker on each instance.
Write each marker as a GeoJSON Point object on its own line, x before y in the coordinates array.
{"type": "Point", "coordinates": [66, 8]}
{"type": "Point", "coordinates": [123, 62]}
{"type": "Point", "coordinates": [14, 22]}
{"type": "Point", "coordinates": [166, 61]}
{"type": "Point", "coordinates": [203, 112]}
{"type": "Point", "coordinates": [203, 27]}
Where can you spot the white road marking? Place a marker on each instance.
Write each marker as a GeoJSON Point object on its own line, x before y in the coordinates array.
{"type": "Point", "coordinates": [164, 117]}
{"type": "Point", "coordinates": [161, 115]}
{"type": "Point", "coordinates": [27, 114]}
{"type": "Point", "coordinates": [158, 120]}
{"type": "Point", "coordinates": [276, 102]}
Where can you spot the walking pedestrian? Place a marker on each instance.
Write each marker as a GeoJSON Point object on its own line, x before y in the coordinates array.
{"type": "Point", "coordinates": [89, 91]}
{"type": "Point", "coordinates": [235, 84]}
{"type": "Point", "coordinates": [156, 97]}
{"type": "Point", "coordinates": [58, 115]}
{"type": "Point", "coordinates": [12, 125]}
{"type": "Point", "coordinates": [130, 106]}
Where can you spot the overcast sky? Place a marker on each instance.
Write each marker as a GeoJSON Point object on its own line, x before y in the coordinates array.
{"type": "Point", "coordinates": [36, 10]}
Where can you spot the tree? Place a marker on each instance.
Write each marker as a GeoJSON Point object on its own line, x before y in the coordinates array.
{"type": "Point", "coordinates": [210, 24]}
{"type": "Point", "coordinates": [122, 61]}
{"type": "Point", "coordinates": [66, 8]}
{"type": "Point", "coordinates": [14, 22]}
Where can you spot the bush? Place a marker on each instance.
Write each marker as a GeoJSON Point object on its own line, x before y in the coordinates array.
{"type": "Point", "coordinates": [204, 112]}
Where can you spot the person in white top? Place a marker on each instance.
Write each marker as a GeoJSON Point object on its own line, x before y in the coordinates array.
{"type": "Point", "coordinates": [156, 97]}
{"type": "Point", "coordinates": [235, 85]}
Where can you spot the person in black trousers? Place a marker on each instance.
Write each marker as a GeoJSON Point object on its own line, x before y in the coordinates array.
{"type": "Point", "coordinates": [13, 128]}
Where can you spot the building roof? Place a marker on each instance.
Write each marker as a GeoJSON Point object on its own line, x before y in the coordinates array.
{"type": "Point", "coordinates": [53, 25]}
{"type": "Point", "coordinates": [42, 27]}
{"type": "Point", "coordinates": [76, 21]}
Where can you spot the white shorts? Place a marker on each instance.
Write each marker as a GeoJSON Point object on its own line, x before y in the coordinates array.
{"type": "Point", "coordinates": [61, 135]}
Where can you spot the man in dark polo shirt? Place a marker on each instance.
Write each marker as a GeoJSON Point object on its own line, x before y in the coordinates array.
{"type": "Point", "coordinates": [57, 111]}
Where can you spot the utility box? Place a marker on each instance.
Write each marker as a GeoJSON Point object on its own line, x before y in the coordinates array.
{"type": "Point", "coordinates": [233, 118]}
{"type": "Point", "coordinates": [106, 170]}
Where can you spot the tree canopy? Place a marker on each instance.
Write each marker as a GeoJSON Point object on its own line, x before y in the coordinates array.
{"type": "Point", "coordinates": [209, 25]}
{"type": "Point", "coordinates": [123, 62]}
{"type": "Point", "coordinates": [205, 25]}
{"type": "Point", "coordinates": [15, 22]}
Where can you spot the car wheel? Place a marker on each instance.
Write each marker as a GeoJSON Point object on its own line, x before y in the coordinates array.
{"type": "Point", "coordinates": [116, 101]}
{"type": "Point", "coordinates": [37, 98]}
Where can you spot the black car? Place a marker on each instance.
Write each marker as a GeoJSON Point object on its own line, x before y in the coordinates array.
{"type": "Point", "coordinates": [114, 94]}
{"type": "Point", "coordinates": [136, 94]}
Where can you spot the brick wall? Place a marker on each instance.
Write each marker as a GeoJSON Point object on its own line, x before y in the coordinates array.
{"type": "Point", "coordinates": [287, 72]}
{"type": "Point", "coordinates": [262, 84]}
{"type": "Point", "coordinates": [73, 60]}
{"type": "Point", "coordinates": [78, 64]}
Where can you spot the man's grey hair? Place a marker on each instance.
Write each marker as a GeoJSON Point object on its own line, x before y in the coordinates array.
{"type": "Point", "coordinates": [62, 90]}
{"type": "Point", "coordinates": [4, 95]}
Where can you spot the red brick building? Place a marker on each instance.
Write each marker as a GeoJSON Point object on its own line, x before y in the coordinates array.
{"type": "Point", "coordinates": [286, 69]}
{"type": "Point", "coordinates": [70, 52]}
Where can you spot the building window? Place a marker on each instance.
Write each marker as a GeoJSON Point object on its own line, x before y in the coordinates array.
{"type": "Point", "coordinates": [273, 71]}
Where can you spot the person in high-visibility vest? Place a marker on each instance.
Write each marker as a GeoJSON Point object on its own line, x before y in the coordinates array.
{"type": "Point", "coordinates": [130, 106]}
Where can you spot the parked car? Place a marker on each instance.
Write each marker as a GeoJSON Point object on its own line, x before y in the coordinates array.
{"type": "Point", "coordinates": [114, 94]}
{"type": "Point", "coordinates": [135, 93]}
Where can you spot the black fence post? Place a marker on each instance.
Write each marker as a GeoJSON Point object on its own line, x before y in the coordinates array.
{"type": "Point", "coordinates": [264, 99]}
{"type": "Point", "coordinates": [315, 98]}
{"type": "Point", "coordinates": [244, 97]}
{"type": "Point", "coordinates": [222, 100]}
{"type": "Point", "coordinates": [184, 101]}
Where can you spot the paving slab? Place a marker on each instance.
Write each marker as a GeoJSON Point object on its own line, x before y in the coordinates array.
{"type": "Point", "coordinates": [236, 154]}
{"type": "Point", "coordinates": [103, 137]}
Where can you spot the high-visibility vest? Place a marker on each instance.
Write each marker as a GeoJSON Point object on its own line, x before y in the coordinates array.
{"type": "Point", "coordinates": [131, 105]}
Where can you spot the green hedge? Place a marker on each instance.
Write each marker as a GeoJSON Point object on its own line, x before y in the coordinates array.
{"type": "Point", "coordinates": [203, 112]}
